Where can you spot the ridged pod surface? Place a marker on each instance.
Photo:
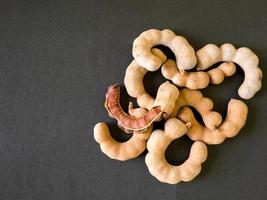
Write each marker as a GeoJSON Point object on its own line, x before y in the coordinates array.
{"type": "Point", "coordinates": [183, 51]}
{"type": "Point", "coordinates": [196, 80]}
{"type": "Point", "coordinates": [122, 150]}
{"type": "Point", "coordinates": [155, 158]}
{"type": "Point", "coordinates": [235, 120]}
{"type": "Point", "coordinates": [203, 105]}
{"type": "Point", "coordinates": [133, 81]}
{"type": "Point", "coordinates": [244, 57]}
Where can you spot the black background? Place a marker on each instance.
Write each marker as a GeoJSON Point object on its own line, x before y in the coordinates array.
{"type": "Point", "coordinates": [57, 59]}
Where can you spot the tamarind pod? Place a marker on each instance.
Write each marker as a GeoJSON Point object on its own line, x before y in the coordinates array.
{"type": "Point", "coordinates": [243, 56]}
{"type": "Point", "coordinates": [157, 145]}
{"type": "Point", "coordinates": [203, 105]}
{"type": "Point", "coordinates": [235, 120]}
{"type": "Point", "coordinates": [183, 51]}
{"type": "Point", "coordinates": [126, 122]}
{"type": "Point", "coordinates": [199, 79]}
{"type": "Point", "coordinates": [122, 151]}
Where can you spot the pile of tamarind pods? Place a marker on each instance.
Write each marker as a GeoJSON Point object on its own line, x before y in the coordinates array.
{"type": "Point", "coordinates": [172, 102]}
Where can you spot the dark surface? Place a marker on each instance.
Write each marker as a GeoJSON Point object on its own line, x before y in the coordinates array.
{"type": "Point", "coordinates": [57, 59]}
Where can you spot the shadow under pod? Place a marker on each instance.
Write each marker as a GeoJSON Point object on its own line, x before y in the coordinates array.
{"type": "Point", "coordinates": [178, 150]}
{"type": "Point", "coordinates": [153, 80]}
{"type": "Point", "coordinates": [125, 99]}
{"type": "Point", "coordinates": [118, 134]}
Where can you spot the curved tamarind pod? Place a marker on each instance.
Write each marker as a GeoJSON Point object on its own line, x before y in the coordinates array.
{"type": "Point", "coordinates": [196, 80]}
{"type": "Point", "coordinates": [203, 105]}
{"type": "Point", "coordinates": [122, 150]}
{"type": "Point", "coordinates": [126, 122]}
{"type": "Point", "coordinates": [133, 81]}
{"type": "Point", "coordinates": [184, 52]}
{"type": "Point", "coordinates": [155, 158]}
{"type": "Point", "coordinates": [235, 120]}
{"type": "Point", "coordinates": [244, 57]}
{"type": "Point", "coordinates": [166, 98]}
